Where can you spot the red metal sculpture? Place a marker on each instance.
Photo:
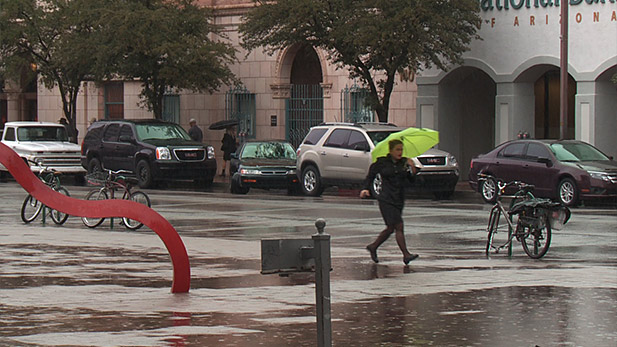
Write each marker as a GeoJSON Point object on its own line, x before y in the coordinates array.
{"type": "Point", "coordinates": [104, 209]}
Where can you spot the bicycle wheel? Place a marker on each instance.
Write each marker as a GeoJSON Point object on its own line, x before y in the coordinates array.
{"type": "Point", "coordinates": [497, 230]}
{"type": "Point", "coordinates": [99, 194]}
{"type": "Point", "coordinates": [57, 216]}
{"type": "Point", "coordinates": [30, 209]}
{"type": "Point", "coordinates": [537, 239]}
{"type": "Point", "coordinates": [141, 198]}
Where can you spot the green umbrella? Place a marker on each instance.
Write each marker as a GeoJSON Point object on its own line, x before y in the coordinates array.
{"type": "Point", "coordinates": [415, 142]}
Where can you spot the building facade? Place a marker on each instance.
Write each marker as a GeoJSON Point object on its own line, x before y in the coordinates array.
{"type": "Point", "coordinates": [508, 83]}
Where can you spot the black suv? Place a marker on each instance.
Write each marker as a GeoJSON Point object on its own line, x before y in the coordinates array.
{"type": "Point", "coordinates": [153, 150]}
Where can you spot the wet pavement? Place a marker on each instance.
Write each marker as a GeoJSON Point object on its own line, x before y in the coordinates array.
{"type": "Point", "coordinates": [74, 286]}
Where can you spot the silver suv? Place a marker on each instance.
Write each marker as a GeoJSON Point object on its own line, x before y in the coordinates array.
{"type": "Point", "coordinates": [339, 154]}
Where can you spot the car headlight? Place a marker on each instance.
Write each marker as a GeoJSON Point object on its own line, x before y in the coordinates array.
{"type": "Point", "coordinates": [162, 153]}
{"type": "Point", "coordinates": [210, 151]}
{"type": "Point", "coordinates": [599, 175]}
{"type": "Point", "coordinates": [250, 171]}
{"type": "Point", "coordinates": [452, 160]}
{"type": "Point", "coordinates": [291, 172]}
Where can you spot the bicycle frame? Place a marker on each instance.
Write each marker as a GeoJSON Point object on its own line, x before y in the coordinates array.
{"type": "Point", "coordinates": [52, 180]}
{"type": "Point", "coordinates": [498, 210]}
{"type": "Point", "coordinates": [111, 183]}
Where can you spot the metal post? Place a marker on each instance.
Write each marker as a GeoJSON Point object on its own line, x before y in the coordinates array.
{"type": "Point", "coordinates": [322, 284]}
{"type": "Point", "coordinates": [563, 80]}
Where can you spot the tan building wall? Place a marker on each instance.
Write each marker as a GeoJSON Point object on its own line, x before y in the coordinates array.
{"type": "Point", "coordinates": [260, 74]}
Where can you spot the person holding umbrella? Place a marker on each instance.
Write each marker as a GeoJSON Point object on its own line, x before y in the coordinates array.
{"type": "Point", "coordinates": [229, 146]}
{"type": "Point", "coordinates": [396, 172]}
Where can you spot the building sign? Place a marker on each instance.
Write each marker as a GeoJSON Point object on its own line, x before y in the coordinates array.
{"type": "Point", "coordinates": [577, 16]}
{"type": "Point", "coordinates": [504, 5]}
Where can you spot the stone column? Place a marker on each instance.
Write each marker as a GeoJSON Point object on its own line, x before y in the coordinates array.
{"type": "Point", "coordinates": [427, 103]}
{"type": "Point", "coordinates": [12, 101]}
{"type": "Point", "coordinates": [514, 110]}
{"type": "Point", "coordinates": [595, 115]}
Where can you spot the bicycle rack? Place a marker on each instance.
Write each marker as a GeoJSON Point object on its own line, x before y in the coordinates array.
{"type": "Point", "coordinates": [104, 209]}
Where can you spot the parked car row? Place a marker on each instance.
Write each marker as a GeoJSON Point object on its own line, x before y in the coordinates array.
{"type": "Point", "coordinates": [331, 154]}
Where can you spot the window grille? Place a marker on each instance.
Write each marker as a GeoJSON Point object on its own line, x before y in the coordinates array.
{"type": "Point", "coordinates": [354, 107]}
{"type": "Point", "coordinates": [240, 105]}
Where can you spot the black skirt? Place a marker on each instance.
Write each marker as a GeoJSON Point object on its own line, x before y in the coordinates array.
{"type": "Point", "coordinates": [392, 214]}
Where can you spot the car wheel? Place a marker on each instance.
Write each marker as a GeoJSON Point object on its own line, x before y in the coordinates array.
{"type": "Point", "coordinates": [94, 165]}
{"type": "Point", "coordinates": [311, 181]}
{"type": "Point", "coordinates": [567, 193]}
{"type": "Point", "coordinates": [376, 186]}
{"type": "Point", "coordinates": [144, 174]}
{"type": "Point", "coordinates": [489, 190]}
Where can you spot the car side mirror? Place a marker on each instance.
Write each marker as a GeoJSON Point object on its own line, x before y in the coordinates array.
{"type": "Point", "coordinates": [546, 161]}
{"type": "Point", "coordinates": [234, 155]}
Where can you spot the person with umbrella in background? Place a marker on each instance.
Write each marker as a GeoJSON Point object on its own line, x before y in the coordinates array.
{"type": "Point", "coordinates": [229, 146]}
{"type": "Point", "coordinates": [396, 171]}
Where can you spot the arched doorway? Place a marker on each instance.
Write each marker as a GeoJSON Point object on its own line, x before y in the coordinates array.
{"type": "Point", "coordinates": [304, 108]}
{"type": "Point", "coordinates": [547, 106]}
{"type": "Point", "coordinates": [466, 120]}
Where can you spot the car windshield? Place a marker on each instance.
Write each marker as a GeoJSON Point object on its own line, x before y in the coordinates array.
{"type": "Point", "coordinates": [576, 151]}
{"type": "Point", "coordinates": [42, 133]}
{"type": "Point", "coordinates": [378, 136]}
{"type": "Point", "coordinates": [268, 150]}
{"type": "Point", "coordinates": [151, 132]}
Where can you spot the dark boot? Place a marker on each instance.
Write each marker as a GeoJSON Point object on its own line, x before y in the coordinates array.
{"type": "Point", "coordinates": [383, 236]}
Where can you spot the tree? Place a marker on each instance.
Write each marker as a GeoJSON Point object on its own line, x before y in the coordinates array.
{"type": "Point", "coordinates": [165, 44]}
{"type": "Point", "coordinates": [374, 39]}
{"type": "Point", "coordinates": [48, 36]}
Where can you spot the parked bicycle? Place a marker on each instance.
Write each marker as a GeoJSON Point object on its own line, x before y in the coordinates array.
{"type": "Point", "coordinates": [537, 218]}
{"type": "Point", "coordinates": [113, 184]}
{"type": "Point", "coordinates": [31, 208]}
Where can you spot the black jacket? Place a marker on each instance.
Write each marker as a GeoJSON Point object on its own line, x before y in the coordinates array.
{"type": "Point", "coordinates": [395, 176]}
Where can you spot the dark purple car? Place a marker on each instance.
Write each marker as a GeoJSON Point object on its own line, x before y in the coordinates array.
{"type": "Point", "coordinates": [565, 170]}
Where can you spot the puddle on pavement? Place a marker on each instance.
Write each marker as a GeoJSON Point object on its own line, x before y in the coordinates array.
{"type": "Point", "coordinates": [521, 316]}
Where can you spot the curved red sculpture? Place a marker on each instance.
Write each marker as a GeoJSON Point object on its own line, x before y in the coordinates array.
{"type": "Point", "coordinates": [104, 209]}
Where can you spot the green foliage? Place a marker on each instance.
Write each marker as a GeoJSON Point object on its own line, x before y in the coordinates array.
{"type": "Point", "coordinates": [165, 45]}
{"type": "Point", "coordinates": [46, 33]}
{"type": "Point", "coordinates": [369, 37]}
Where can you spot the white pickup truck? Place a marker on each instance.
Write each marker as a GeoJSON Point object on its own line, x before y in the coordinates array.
{"type": "Point", "coordinates": [45, 143]}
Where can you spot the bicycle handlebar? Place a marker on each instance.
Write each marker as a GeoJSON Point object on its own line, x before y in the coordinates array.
{"type": "Point", "coordinates": [42, 168]}
{"type": "Point", "coordinates": [522, 186]}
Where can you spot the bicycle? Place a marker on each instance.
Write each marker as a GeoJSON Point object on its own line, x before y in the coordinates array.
{"type": "Point", "coordinates": [31, 208]}
{"type": "Point", "coordinates": [536, 219]}
{"type": "Point", "coordinates": [110, 182]}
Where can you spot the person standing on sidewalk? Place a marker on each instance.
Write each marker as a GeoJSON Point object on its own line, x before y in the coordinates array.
{"type": "Point", "coordinates": [194, 132]}
{"type": "Point", "coordinates": [396, 172]}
